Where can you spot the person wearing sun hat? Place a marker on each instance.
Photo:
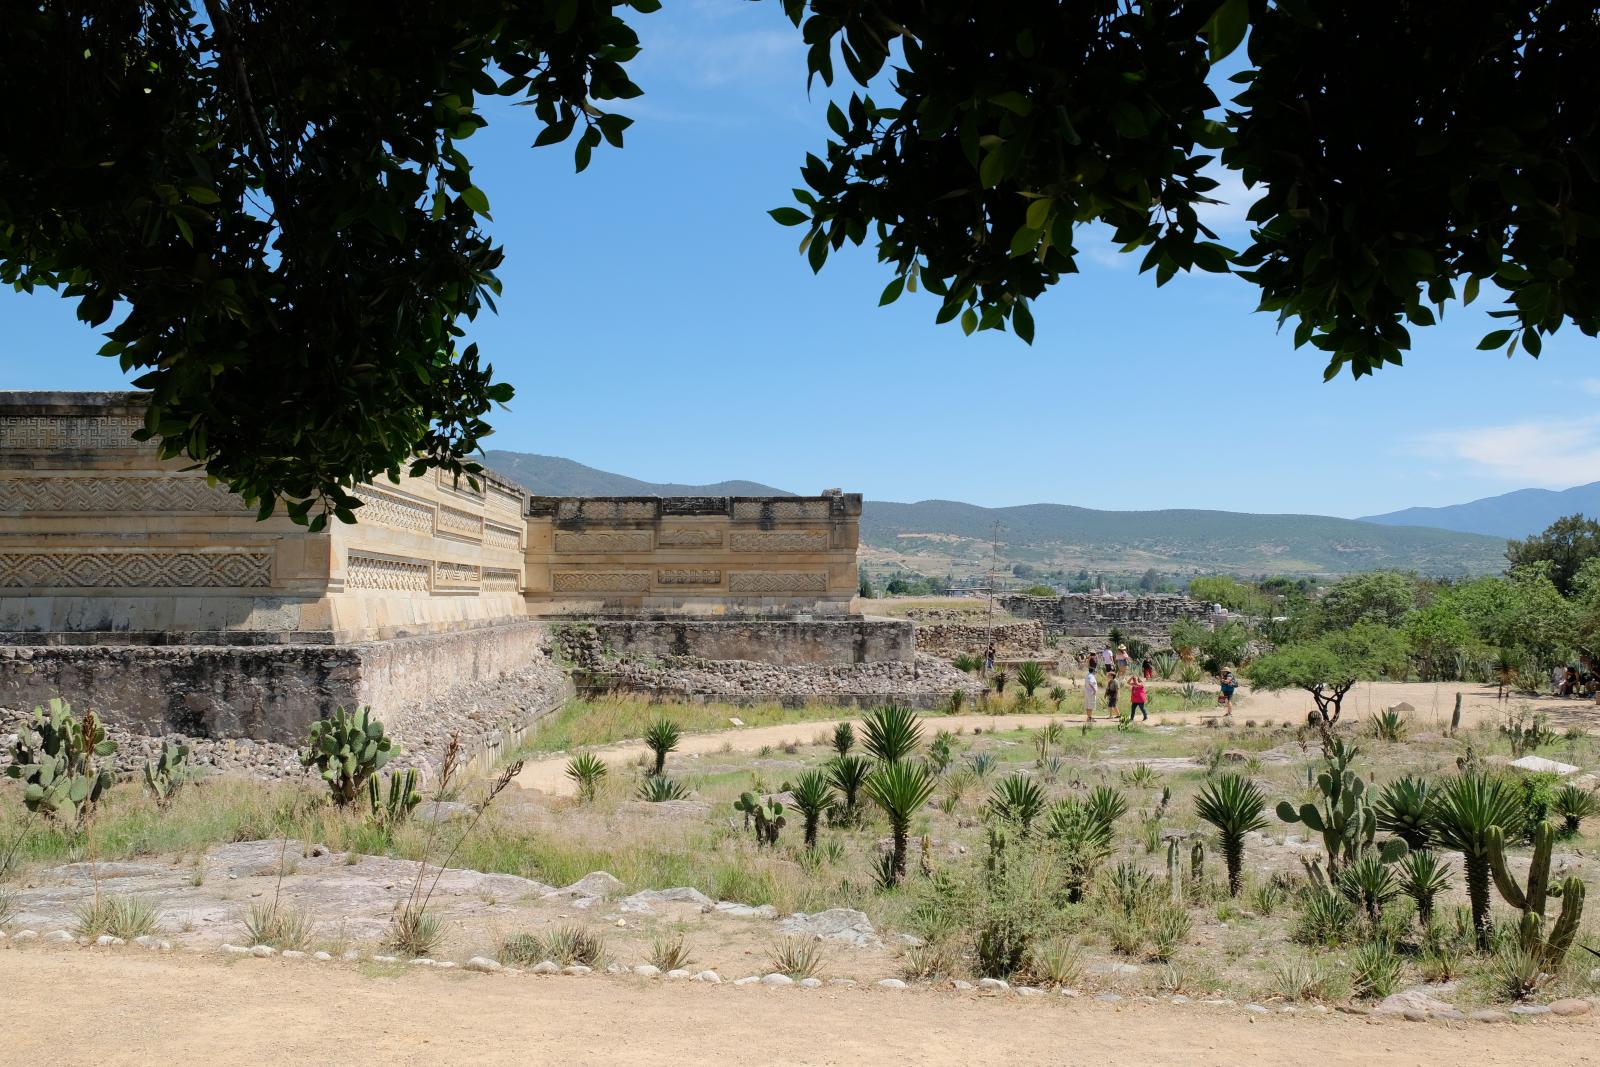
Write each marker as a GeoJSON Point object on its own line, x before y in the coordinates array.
{"type": "Point", "coordinates": [1123, 660]}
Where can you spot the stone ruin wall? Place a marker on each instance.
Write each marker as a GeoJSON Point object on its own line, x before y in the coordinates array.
{"type": "Point", "coordinates": [1012, 640]}
{"type": "Point", "coordinates": [1085, 615]}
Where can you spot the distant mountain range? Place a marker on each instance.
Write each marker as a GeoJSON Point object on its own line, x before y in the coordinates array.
{"type": "Point", "coordinates": [940, 537]}
{"type": "Point", "coordinates": [1519, 514]}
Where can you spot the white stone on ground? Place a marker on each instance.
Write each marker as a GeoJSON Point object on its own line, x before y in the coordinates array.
{"type": "Point", "coordinates": [777, 980]}
{"type": "Point", "coordinates": [263, 951]}
{"type": "Point", "coordinates": [350, 955]}
{"type": "Point", "coordinates": [677, 974]}
{"type": "Point", "coordinates": [235, 950]}
{"type": "Point", "coordinates": [294, 954]}
{"type": "Point", "coordinates": [749, 979]}
{"type": "Point", "coordinates": [993, 984]}
{"type": "Point", "coordinates": [836, 924]}
{"type": "Point", "coordinates": [29, 935]}
{"type": "Point", "coordinates": [645, 970]}
{"type": "Point", "coordinates": [386, 959]}
{"type": "Point", "coordinates": [53, 935]}
{"type": "Point", "coordinates": [576, 968]}
{"type": "Point", "coordinates": [422, 961]}
{"type": "Point", "coordinates": [809, 983]}
{"type": "Point", "coordinates": [707, 976]}
{"type": "Point", "coordinates": [545, 967]}
{"type": "Point", "coordinates": [890, 983]}
{"type": "Point", "coordinates": [322, 957]}
{"type": "Point", "coordinates": [1029, 991]}
{"type": "Point", "coordinates": [959, 984]}
{"type": "Point", "coordinates": [1255, 1009]}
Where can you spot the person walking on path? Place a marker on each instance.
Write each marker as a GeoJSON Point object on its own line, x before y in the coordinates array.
{"type": "Point", "coordinates": [1136, 699]}
{"type": "Point", "coordinates": [1111, 695]}
{"type": "Point", "coordinates": [1090, 687]}
{"type": "Point", "coordinates": [1106, 658]}
{"type": "Point", "coordinates": [988, 659]}
{"type": "Point", "coordinates": [1225, 694]}
{"type": "Point", "coordinates": [1147, 669]}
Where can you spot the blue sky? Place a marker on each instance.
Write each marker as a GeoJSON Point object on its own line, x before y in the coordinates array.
{"type": "Point", "coordinates": [656, 323]}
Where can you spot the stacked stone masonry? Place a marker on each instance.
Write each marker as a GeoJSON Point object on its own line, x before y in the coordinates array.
{"type": "Point", "coordinates": [1092, 615]}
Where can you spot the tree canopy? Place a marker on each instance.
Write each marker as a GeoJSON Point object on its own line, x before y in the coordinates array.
{"type": "Point", "coordinates": [1565, 545]}
{"type": "Point", "coordinates": [279, 192]}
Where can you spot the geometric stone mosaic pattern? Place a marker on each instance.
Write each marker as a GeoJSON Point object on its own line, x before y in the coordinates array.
{"type": "Point", "coordinates": [448, 575]}
{"type": "Point", "coordinates": [497, 580]}
{"type": "Point", "coordinates": [454, 523]}
{"type": "Point", "coordinates": [778, 541]}
{"type": "Point", "coordinates": [135, 568]}
{"type": "Point", "coordinates": [777, 582]}
{"type": "Point", "coordinates": [600, 581]}
{"type": "Point", "coordinates": [500, 536]}
{"type": "Point", "coordinates": [71, 432]}
{"type": "Point", "coordinates": [689, 577]}
{"type": "Point", "coordinates": [754, 510]}
{"type": "Point", "coordinates": [377, 572]}
{"type": "Point", "coordinates": [604, 541]}
{"type": "Point", "coordinates": [395, 512]}
{"type": "Point", "coordinates": [688, 538]}
{"type": "Point", "coordinates": [162, 493]}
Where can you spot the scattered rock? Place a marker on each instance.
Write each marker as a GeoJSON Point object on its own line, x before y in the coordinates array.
{"type": "Point", "coordinates": [1029, 991]}
{"type": "Point", "coordinates": [1178, 998]}
{"type": "Point", "coordinates": [646, 901]}
{"type": "Point", "coordinates": [53, 936]}
{"type": "Point", "coordinates": [576, 969]}
{"type": "Point", "coordinates": [442, 811]}
{"type": "Point", "coordinates": [1223, 1002]}
{"type": "Point", "coordinates": [385, 959]}
{"type": "Point", "coordinates": [777, 980]}
{"type": "Point", "coordinates": [1489, 1015]}
{"type": "Point", "coordinates": [667, 809]}
{"type": "Point", "coordinates": [1411, 1000]}
{"type": "Point", "coordinates": [1530, 1009]}
{"type": "Point", "coordinates": [235, 950]}
{"type": "Point", "coordinates": [350, 955]}
{"type": "Point", "coordinates": [645, 970]}
{"type": "Point", "coordinates": [745, 911]}
{"type": "Point", "coordinates": [993, 984]}
{"type": "Point", "coordinates": [1256, 1009]}
{"type": "Point", "coordinates": [1570, 1006]}
{"type": "Point", "coordinates": [294, 954]}
{"type": "Point", "coordinates": [1538, 764]}
{"type": "Point", "coordinates": [322, 957]}
{"type": "Point", "coordinates": [545, 967]}
{"type": "Point", "coordinates": [108, 941]}
{"type": "Point", "coordinates": [809, 983]}
{"type": "Point", "coordinates": [1112, 967]}
{"type": "Point", "coordinates": [960, 986]}
{"type": "Point", "coordinates": [483, 965]}
{"type": "Point", "coordinates": [836, 924]}
{"type": "Point", "coordinates": [615, 968]}
{"type": "Point", "coordinates": [1109, 998]}
{"type": "Point", "coordinates": [749, 979]}
{"type": "Point", "coordinates": [597, 884]}
{"type": "Point", "coordinates": [678, 974]}
{"type": "Point", "coordinates": [422, 961]}
{"type": "Point", "coordinates": [707, 976]}
{"type": "Point", "coordinates": [263, 951]}
{"type": "Point", "coordinates": [889, 983]}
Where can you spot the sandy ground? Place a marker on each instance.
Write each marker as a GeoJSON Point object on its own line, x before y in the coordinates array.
{"type": "Point", "coordinates": [1432, 702]}
{"type": "Point", "coordinates": [181, 1010]}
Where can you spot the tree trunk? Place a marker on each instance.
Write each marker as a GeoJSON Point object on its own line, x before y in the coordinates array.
{"type": "Point", "coordinates": [811, 830]}
{"type": "Point", "coordinates": [1478, 892]}
{"type": "Point", "coordinates": [1233, 852]}
{"type": "Point", "coordinates": [899, 852]}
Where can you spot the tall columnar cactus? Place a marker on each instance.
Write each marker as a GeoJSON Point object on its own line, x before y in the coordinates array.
{"type": "Point", "coordinates": [766, 814]}
{"type": "Point", "coordinates": [1175, 872]}
{"type": "Point", "coordinates": [393, 805]}
{"type": "Point", "coordinates": [60, 773]}
{"type": "Point", "coordinates": [1531, 899]}
{"type": "Point", "coordinates": [347, 750]}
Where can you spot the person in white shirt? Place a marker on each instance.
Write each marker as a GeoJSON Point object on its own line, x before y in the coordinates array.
{"type": "Point", "coordinates": [1090, 692]}
{"type": "Point", "coordinates": [1106, 657]}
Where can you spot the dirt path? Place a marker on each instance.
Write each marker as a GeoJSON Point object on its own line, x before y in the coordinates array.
{"type": "Point", "coordinates": [135, 1010]}
{"type": "Point", "coordinates": [1432, 703]}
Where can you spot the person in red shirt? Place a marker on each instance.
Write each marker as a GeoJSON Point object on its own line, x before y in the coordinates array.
{"type": "Point", "coordinates": [1136, 699]}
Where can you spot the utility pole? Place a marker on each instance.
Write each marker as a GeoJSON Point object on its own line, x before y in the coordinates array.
{"type": "Point", "coordinates": [994, 566]}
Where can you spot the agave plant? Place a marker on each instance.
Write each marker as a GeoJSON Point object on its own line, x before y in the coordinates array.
{"type": "Point", "coordinates": [1234, 806]}
{"type": "Point", "coordinates": [1423, 876]}
{"type": "Point", "coordinates": [1106, 804]}
{"type": "Point", "coordinates": [1468, 806]}
{"type": "Point", "coordinates": [1369, 884]}
{"type": "Point", "coordinates": [981, 764]}
{"type": "Point", "coordinates": [1574, 805]}
{"type": "Point", "coordinates": [1082, 840]}
{"type": "Point", "coordinates": [891, 733]}
{"type": "Point", "coordinates": [587, 771]}
{"type": "Point", "coordinates": [1405, 808]}
{"type": "Point", "coordinates": [1018, 799]}
{"type": "Point", "coordinates": [847, 774]}
{"type": "Point", "coordinates": [812, 795]}
{"type": "Point", "coordinates": [900, 788]}
{"type": "Point", "coordinates": [1165, 664]}
{"type": "Point", "coordinates": [1390, 725]}
{"type": "Point", "coordinates": [657, 788]}
{"type": "Point", "coordinates": [662, 737]}
{"type": "Point", "coordinates": [1058, 696]}
{"type": "Point", "coordinates": [1031, 676]}
{"type": "Point", "coordinates": [844, 738]}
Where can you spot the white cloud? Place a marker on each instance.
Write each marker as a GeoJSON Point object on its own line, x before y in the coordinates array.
{"type": "Point", "coordinates": [1227, 217]}
{"type": "Point", "coordinates": [1590, 386]}
{"type": "Point", "coordinates": [717, 59]}
{"type": "Point", "coordinates": [1554, 453]}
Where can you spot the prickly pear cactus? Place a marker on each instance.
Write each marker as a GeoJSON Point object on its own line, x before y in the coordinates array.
{"type": "Point", "coordinates": [165, 775]}
{"type": "Point", "coordinates": [767, 815]}
{"type": "Point", "coordinates": [347, 750]}
{"type": "Point", "coordinates": [59, 773]}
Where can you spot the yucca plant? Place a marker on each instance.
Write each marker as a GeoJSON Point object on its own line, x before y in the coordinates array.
{"type": "Point", "coordinates": [1082, 841]}
{"type": "Point", "coordinates": [900, 789]}
{"type": "Point", "coordinates": [662, 737]}
{"type": "Point", "coordinates": [1374, 968]}
{"type": "Point", "coordinates": [1324, 918]}
{"type": "Point", "coordinates": [796, 957]}
{"type": "Point", "coordinates": [125, 916]}
{"type": "Point", "coordinates": [587, 771]}
{"type": "Point", "coordinates": [1234, 806]}
{"type": "Point", "coordinates": [1017, 799]}
{"type": "Point", "coordinates": [981, 764]}
{"type": "Point", "coordinates": [847, 774]}
{"type": "Point", "coordinates": [1574, 805]}
{"type": "Point", "coordinates": [1405, 808]}
{"type": "Point", "coordinates": [1390, 725]}
{"type": "Point", "coordinates": [1141, 776]}
{"type": "Point", "coordinates": [1423, 876]}
{"type": "Point", "coordinates": [1467, 807]}
{"type": "Point", "coordinates": [1058, 696]}
{"type": "Point", "coordinates": [670, 952]}
{"type": "Point", "coordinates": [279, 925]}
{"type": "Point", "coordinates": [1165, 665]}
{"type": "Point", "coordinates": [1106, 804]}
{"type": "Point", "coordinates": [812, 795]}
{"type": "Point", "coordinates": [1031, 676]}
{"type": "Point", "coordinates": [657, 788]}
{"type": "Point", "coordinates": [891, 733]}
{"type": "Point", "coordinates": [844, 738]}
{"type": "Point", "coordinates": [1369, 884]}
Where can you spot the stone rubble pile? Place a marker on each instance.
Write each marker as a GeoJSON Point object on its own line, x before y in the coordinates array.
{"type": "Point", "coordinates": [926, 681]}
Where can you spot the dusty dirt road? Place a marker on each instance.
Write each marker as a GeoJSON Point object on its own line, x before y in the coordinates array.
{"type": "Point", "coordinates": [1432, 703]}
{"type": "Point", "coordinates": [76, 1006]}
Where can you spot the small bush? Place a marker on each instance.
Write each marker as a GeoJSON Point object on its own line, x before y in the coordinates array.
{"type": "Point", "coordinates": [1169, 929]}
{"type": "Point", "coordinates": [1325, 918]}
{"type": "Point", "coordinates": [1390, 725]}
{"type": "Point", "coordinates": [797, 957]}
{"type": "Point", "coordinates": [124, 916]}
{"type": "Point", "coordinates": [280, 925]}
{"type": "Point", "coordinates": [1268, 897]}
{"type": "Point", "coordinates": [935, 959]}
{"type": "Point", "coordinates": [1519, 971]}
{"type": "Point", "coordinates": [417, 932]}
{"type": "Point", "coordinates": [587, 771]}
{"type": "Point", "coordinates": [670, 953]}
{"type": "Point", "coordinates": [656, 789]}
{"type": "Point", "coordinates": [1300, 979]}
{"type": "Point", "coordinates": [564, 945]}
{"type": "Point", "coordinates": [1374, 969]}
{"type": "Point", "coordinates": [1056, 962]}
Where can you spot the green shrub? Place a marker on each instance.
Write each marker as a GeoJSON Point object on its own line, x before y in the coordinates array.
{"type": "Point", "coordinates": [1323, 918]}
{"type": "Point", "coordinates": [566, 945]}
{"type": "Point", "coordinates": [1169, 929]}
{"type": "Point", "coordinates": [587, 772]}
{"type": "Point", "coordinates": [168, 773]}
{"type": "Point", "coordinates": [347, 750]}
{"type": "Point", "coordinates": [1031, 676]}
{"type": "Point", "coordinates": [1423, 876]}
{"type": "Point", "coordinates": [844, 738]}
{"type": "Point", "coordinates": [797, 957]}
{"type": "Point", "coordinates": [1574, 805]}
{"type": "Point", "coordinates": [1017, 799]}
{"type": "Point", "coordinates": [1390, 725]}
{"type": "Point", "coordinates": [670, 952]}
{"type": "Point", "coordinates": [1374, 969]}
{"type": "Point", "coordinates": [1234, 806]}
{"type": "Point", "coordinates": [891, 733]}
{"type": "Point", "coordinates": [125, 916]}
{"type": "Point", "coordinates": [1056, 962]}
{"type": "Point", "coordinates": [1405, 808]}
{"type": "Point", "coordinates": [279, 925]}
{"type": "Point", "coordinates": [657, 789]}
{"type": "Point", "coordinates": [1369, 884]}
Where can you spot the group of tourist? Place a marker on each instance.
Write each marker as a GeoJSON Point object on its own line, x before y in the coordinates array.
{"type": "Point", "coordinates": [1116, 665]}
{"type": "Point", "coordinates": [1567, 680]}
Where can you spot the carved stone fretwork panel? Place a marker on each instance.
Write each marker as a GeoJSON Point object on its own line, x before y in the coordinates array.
{"type": "Point", "coordinates": [754, 510]}
{"type": "Point", "coordinates": [603, 541]}
{"type": "Point", "coordinates": [167, 492]}
{"type": "Point", "coordinates": [603, 511]}
{"type": "Point", "coordinates": [777, 582]}
{"type": "Point", "coordinates": [71, 432]}
{"type": "Point", "coordinates": [447, 575]}
{"type": "Point", "coordinates": [500, 536]}
{"type": "Point", "coordinates": [498, 580]}
{"type": "Point", "coordinates": [778, 540]}
{"type": "Point", "coordinates": [504, 503]}
{"type": "Point", "coordinates": [453, 522]}
{"type": "Point", "coordinates": [600, 581]}
{"type": "Point", "coordinates": [394, 575]}
{"type": "Point", "coordinates": [387, 509]}
{"type": "Point", "coordinates": [449, 483]}
{"type": "Point", "coordinates": [135, 568]}
{"type": "Point", "coordinates": [688, 577]}
{"type": "Point", "coordinates": [688, 537]}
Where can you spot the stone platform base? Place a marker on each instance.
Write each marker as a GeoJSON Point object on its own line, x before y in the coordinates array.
{"type": "Point", "coordinates": [269, 692]}
{"type": "Point", "coordinates": [782, 642]}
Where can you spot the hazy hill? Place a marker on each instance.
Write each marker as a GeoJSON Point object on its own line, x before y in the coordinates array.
{"type": "Point", "coordinates": [1517, 514]}
{"type": "Point", "coordinates": [945, 536]}
{"type": "Point", "coordinates": [554, 476]}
